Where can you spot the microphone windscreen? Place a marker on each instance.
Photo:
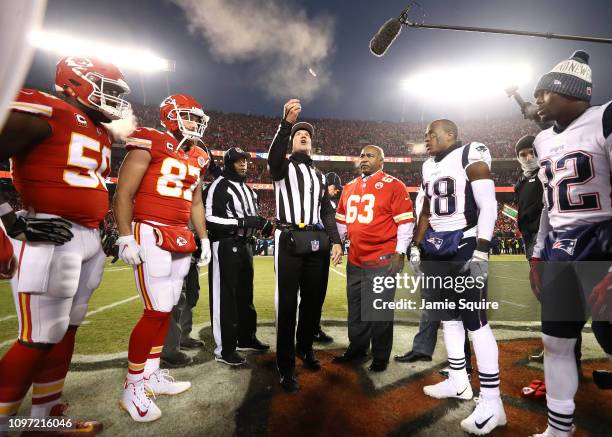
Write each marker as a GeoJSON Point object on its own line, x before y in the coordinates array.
{"type": "Point", "coordinates": [385, 36]}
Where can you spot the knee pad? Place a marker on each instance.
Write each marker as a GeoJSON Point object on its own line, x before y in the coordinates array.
{"type": "Point", "coordinates": [557, 346]}
{"type": "Point", "coordinates": [64, 275]}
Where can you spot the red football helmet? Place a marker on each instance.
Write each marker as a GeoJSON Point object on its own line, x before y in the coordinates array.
{"type": "Point", "coordinates": [178, 109]}
{"type": "Point", "coordinates": [98, 85]}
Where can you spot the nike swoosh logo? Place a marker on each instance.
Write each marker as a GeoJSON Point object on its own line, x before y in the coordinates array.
{"type": "Point", "coordinates": [459, 394]}
{"type": "Point", "coordinates": [480, 425]}
{"type": "Point", "coordinates": [461, 245]}
{"type": "Point", "coordinates": [144, 413]}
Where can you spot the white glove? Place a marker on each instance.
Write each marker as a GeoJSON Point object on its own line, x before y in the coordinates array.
{"type": "Point", "coordinates": [415, 260]}
{"type": "Point", "coordinates": [129, 250]}
{"type": "Point", "coordinates": [206, 253]}
{"type": "Point", "coordinates": [478, 265]}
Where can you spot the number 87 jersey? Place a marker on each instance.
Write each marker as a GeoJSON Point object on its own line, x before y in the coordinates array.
{"type": "Point", "coordinates": [575, 169]}
{"type": "Point", "coordinates": [166, 190]}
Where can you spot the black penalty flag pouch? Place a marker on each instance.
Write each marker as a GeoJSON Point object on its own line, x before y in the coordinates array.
{"type": "Point", "coordinates": [306, 242]}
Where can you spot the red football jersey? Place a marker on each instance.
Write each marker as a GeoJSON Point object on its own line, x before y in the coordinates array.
{"type": "Point", "coordinates": [65, 174]}
{"type": "Point", "coordinates": [6, 248]}
{"type": "Point", "coordinates": [166, 190]}
{"type": "Point", "coordinates": [372, 210]}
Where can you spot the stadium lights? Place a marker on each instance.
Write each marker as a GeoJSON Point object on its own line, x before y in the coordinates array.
{"type": "Point", "coordinates": [464, 84]}
{"type": "Point", "coordinates": [125, 57]}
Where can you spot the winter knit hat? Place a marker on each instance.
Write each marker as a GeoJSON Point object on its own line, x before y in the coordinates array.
{"type": "Point", "coordinates": [571, 77]}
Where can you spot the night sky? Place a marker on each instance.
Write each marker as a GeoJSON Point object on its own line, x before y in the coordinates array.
{"type": "Point", "coordinates": [360, 86]}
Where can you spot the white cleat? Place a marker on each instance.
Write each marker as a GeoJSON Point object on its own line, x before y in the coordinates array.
{"type": "Point", "coordinates": [161, 383]}
{"type": "Point", "coordinates": [488, 415]}
{"type": "Point", "coordinates": [447, 389]}
{"type": "Point", "coordinates": [137, 403]}
{"type": "Point", "coordinates": [552, 432]}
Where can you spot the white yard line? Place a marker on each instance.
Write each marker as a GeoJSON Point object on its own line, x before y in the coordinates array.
{"type": "Point", "coordinates": [112, 305]}
{"type": "Point", "coordinates": [203, 274]}
{"type": "Point", "coordinates": [509, 277]}
{"type": "Point", "coordinates": [340, 273]}
{"type": "Point", "coordinates": [12, 316]}
{"type": "Point", "coordinates": [514, 303]}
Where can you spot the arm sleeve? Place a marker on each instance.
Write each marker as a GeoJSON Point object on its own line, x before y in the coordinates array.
{"type": "Point", "coordinates": [328, 218]}
{"type": "Point", "coordinates": [543, 231]}
{"type": "Point", "coordinates": [484, 195]}
{"type": "Point", "coordinates": [277, 154]}
{"type": "Point", "coordinates": [401, 205]}
{"type": "Point", "coordinates": [404, 237]}
{"type": "Point", "coordinates": [214, 208]}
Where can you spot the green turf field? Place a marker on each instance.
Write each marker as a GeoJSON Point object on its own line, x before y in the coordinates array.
{"type": "Point", "coordinates": [115, 306]}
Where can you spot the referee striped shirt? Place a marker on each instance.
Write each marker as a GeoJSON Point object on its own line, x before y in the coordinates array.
{"type": "Point", "coordinates": [299, 187]}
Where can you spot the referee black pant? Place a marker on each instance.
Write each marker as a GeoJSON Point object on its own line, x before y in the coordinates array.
{"type": "Point", "coordinates": [230, 288]}
{"type": "Point", "coordinates": [296, 274]}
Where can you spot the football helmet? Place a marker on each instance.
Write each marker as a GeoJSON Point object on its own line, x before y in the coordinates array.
{"type": "Point", "coordinates": [97, 84]}
{"type": "Point", "coordinates": [177, 110]}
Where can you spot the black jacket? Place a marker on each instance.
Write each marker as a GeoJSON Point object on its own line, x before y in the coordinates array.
{"type": "Point", "coordinates": [529, 192]}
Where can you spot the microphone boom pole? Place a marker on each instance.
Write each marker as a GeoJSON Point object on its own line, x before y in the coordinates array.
{"type": "Point", "coordinates": [548, 35]}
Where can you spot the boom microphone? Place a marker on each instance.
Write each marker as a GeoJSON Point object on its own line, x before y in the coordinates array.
{"type": "Point", "coordinates": [385, 36]}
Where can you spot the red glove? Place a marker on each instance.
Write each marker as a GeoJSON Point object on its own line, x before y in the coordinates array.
{"type": "Point", "coordinates": [534, 276]}
{"type": "Point", "coordinates": [601, 298]}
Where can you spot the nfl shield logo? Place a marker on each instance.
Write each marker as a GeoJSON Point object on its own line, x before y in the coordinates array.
{"type": "Point", "coordinates": [567, 245]}
{"type": "Point", "coordinates": [314, 245]}
{"type": "Point", "coordinates": [180, 241]}
{"type": "Point", "coordinates": [437, 242]}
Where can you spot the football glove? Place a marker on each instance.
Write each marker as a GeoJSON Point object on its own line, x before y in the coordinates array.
{"type": "Point", "coordinates": [534, 276]}
{"type": "Point", "coordinates": [108, 238]}
{"type": "Point", "coordinates": [415, 259]}
{"type": "Point", "coordinates": [129, 250]}
{"type": "Point", "coordinates": [478, 265]}
{"type": "Point", "coordinates": [252, 221]}
{"type": "Point", "coordinates": [53, 230]}
{"type": "Point", "coordinates": [206, 253]}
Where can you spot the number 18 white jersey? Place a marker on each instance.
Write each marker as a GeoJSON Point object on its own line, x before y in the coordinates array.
{"type": "Point", "coordinates": [575, 169]}
{"type": "Point", "coordinates": [446, 185]}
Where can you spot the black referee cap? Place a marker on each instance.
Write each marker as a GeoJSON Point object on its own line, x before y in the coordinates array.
{"type": "Point", "coordinates": [302, 125]}
{"type": "Point", "coordinates": [233, 154]}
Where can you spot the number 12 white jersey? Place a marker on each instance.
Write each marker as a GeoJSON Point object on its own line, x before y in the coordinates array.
{"type": "Point", "coordinates": [446, 185]}
{"type": "Point", "coordinates": [575, 169]}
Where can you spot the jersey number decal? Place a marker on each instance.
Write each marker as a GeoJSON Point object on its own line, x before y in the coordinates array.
{"type": "Point", "coordinates": [583, 172]}
{"type": "Point", "coordinates": [171, 182]}
{"type": "Point", "coordinates": [352, 208]}
{"type": "Point", "coordinates": [91, 174]}
{"type": "Point", "coordinates": [445, 200]}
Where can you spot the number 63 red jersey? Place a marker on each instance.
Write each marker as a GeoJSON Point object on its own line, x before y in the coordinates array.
{"type": "Point", "coordinates": [372, 210]}
{"type": "Point", "coordinates": [166, 190]}
{"type": "Point", "coordinates": [64, 174]}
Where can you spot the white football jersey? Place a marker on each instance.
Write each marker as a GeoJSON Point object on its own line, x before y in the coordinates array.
{"type": "Point", "coordinates": [575, 169]}
{"type": "Point", "coordinates": [446, 185]}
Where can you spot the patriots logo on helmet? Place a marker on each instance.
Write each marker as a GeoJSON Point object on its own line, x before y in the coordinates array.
{"type": "Point", "coordinates": [180, 241]}
{"type": "Point", "coordinates": [565, 244]}
{"type": "Point", "coordinates": [481, 148]}
{"type": "Point", "coordinates": [437, 242]}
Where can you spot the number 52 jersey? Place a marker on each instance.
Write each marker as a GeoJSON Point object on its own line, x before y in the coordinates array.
{"type": "Point", "coordinates": [575, 169]}
{"type": "Point", "coordinates": [166, 190]}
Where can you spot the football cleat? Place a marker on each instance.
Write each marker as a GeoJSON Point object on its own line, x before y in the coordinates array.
{"type": "Point", "coordinates": [488, 415]}
{"type": "Point", "coordinates": [552, 432]}
{"type": "Point", "coordinates": [161, 383]}
{"type": "Point", "coordinates": [137, 402]}
{"type": "Point", "coordinates": [446, 389]}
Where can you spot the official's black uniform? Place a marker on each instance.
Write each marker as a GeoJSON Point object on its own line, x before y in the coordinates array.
{"type": "Point", "coordinates": [230, 274]}
{"type": "Point", "coordinates": [302, 203]}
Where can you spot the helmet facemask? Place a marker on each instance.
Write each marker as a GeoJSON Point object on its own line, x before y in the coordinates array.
{"type": "Point", "coordinates": [106, 96]}
{"type": "Point", "coordinates": [192, 122]}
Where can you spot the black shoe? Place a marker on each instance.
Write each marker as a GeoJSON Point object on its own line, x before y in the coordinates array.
{"type": "Point", "coordinates": [322, 337]}
{"type": "Point", "coordinates": [310, 361]}
{"type": "Point", "coordinates": [378, 366]}
{"type": "Point", "coordinates": [349, 356]}
{"type": "Point", "coordinates": [253, 345]}
{"type": "Point", "coordinates": [176, 360]}
{"type": "Point", "coordinates": [289, 383]}
{"type": "Point", "coordinates": [233, 359]}
{"type": "Point", "coordinates": [603, 379]}
{"type": "Point", "coordinates": [191, 343]}
{"type": "Point", "coordinates": [411, 357]}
